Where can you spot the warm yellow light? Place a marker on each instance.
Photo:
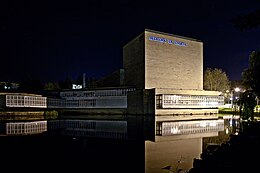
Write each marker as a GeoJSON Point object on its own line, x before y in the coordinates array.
{"type": "Point", "coordinates": [237, 89]}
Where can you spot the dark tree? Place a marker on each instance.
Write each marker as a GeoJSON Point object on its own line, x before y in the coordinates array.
{"type": "Point", "coordinates": [248, 21]}
{"type": "Point", "coordinates": [51, 86]}
{"type": "Point", "coordinates": [247, 105]}
{"type": "Point", "coordinates": [251, 75]}
{"type": "Point", "coordinates": [79, 80]}
{"type": "Point", "coordinates": [67, 83]}
{"type": "Point", "coordinates": [51, 114]}
{"type": "Point", "coordinates": [31, 86]}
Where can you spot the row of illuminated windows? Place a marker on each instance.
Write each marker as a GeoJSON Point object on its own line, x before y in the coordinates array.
{"type": "Point", "coordinates": [80, 124]}
{"type": "Point", "coordinates": [26, 127]}
{"type": "Point", "coordinates": [96, 93]}
{"type": "Point", "coordinates": [173, 128]}
{"type": "Point", "coordinates": [25, 101]}
{"type": "Point", "coordinates": [192, 102]}
{"type": "Point", "coordinates": [188, 97]}
{"type": "Point", "coordinates": [96, 134]}
{"type": "Point", "coordinates": [85, 128]}
{"type": "Point", "coordinates": [81, 103]}
{"type": "Point", "coordinates": [73, 124]}
{"type": "Point", "coordinates": [188, 100]}
{"type": "Point", "coordinates": [102, 102]}
{"type": "Point", "coordinates": [100, 125]}
{"type": "Point", "coordinates": [52, 102]}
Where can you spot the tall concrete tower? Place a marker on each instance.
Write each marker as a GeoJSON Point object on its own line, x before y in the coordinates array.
{"type": "Point", "coordinates": [160, 60]}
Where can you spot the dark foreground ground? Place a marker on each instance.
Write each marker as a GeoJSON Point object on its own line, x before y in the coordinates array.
{"type": "Point", "coordinates": [240, 154]}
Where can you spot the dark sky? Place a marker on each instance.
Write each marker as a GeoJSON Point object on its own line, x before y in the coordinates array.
{"type": "Point", "coordinates": [49, 40]}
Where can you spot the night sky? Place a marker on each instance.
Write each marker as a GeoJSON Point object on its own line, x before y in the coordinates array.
{"type": "Point", "coordinates": [49, 40]}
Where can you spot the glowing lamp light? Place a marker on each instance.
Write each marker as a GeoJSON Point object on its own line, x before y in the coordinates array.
{"type": "Point", "coordinates": [237, 89]}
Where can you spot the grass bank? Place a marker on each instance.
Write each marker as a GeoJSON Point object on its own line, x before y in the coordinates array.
{"type": "Point", "coordinates": [235, 112]}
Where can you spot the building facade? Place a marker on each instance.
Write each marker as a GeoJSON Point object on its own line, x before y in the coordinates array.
{"type": "Point", "coordinates": [159, 60]}
{"type": "Point", "coordinates": [168, 68]}
{"type": "Point", "coordinates": [22, 114]}
{"type": "Point", "coordinates": [162, 75]}
{"type": "Point", "coordinates": [22, 100]}
{"type": "Point", "coordinates": [98, 98]}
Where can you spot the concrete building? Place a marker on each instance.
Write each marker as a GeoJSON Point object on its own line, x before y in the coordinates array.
{"type": "Point", "coordinates": [22, 113]}
{"type": "Point", "coordinates": [98, 98]}
{"type": "Point", "coordinates": [162, 75]}
{"type": "Point", "coordinates": [159, 60]}
{"type": "Point", "coordinates": [22, 100]}
{"type": "Point", "coordinates": [167, 71]}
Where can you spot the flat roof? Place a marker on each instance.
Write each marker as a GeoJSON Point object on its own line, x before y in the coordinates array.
{"type": "Point", "coordinates": [163, 33]}
{"type": "Point", "coordinates": [158, 32]}
{"type": "Point", "coordinates": [22, 94]}
{"type": "Point", "coordinates": [98, 89]}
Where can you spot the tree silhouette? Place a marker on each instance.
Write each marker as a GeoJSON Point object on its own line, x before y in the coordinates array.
{"type": "Point", "coordinates": [247, 105]}
{"type": "Point", "coordinates": [251, 75]}
{"type": "Point", "coordinates": [67, 83]}
{"type": "Point", "coordinates": [31, 86]}
{"type": "Point", "coordinates": [247, 21]}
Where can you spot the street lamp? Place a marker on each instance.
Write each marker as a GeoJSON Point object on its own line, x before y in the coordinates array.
{"type": "Point", "coordinates": [235, 90]}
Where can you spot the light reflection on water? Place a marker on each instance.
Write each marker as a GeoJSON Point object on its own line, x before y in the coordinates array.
{"type": "Point", "coordinates": [232, 124]}
{"type": "Point", "coordinates": [179, 150]}
{"type": "Point", "coordinates": [147, 147]}
{"type": "Point", "coordinates": [173, 143]}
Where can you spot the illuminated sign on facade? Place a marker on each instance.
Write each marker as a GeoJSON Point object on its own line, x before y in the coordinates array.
{"type": "Point", "coordinates": [74, 86]}
{"type": "Point", "coordinates": [164, 40]}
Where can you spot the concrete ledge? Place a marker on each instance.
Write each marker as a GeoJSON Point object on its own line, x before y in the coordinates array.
{"type": "Point", "coordinates": [185, 111]}
{"type": "Point", "coordinates": [185, 117]}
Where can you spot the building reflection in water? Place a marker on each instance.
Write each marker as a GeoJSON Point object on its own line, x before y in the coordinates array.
{"type": "Point", "coordinates": [166, 143]}
{"type": "Point", "coordinates": [177, 143]}
{"type": "Point", "coordinates": [136, 143]}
